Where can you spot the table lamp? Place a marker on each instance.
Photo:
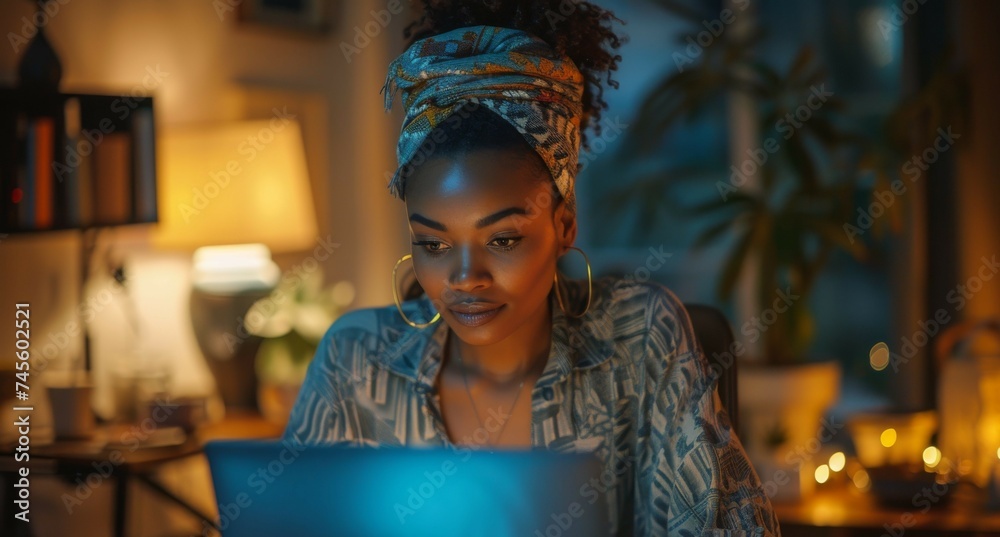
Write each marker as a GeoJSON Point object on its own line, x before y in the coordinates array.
{"type": "Point", "coordinates": [233, 192]}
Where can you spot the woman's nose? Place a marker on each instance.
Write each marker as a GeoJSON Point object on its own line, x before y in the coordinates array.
{"type": "Point", "coordinates": [469, 273]}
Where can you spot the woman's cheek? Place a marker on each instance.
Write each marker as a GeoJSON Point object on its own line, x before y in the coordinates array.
{"type": "Point", "coordinates": [432, 279]}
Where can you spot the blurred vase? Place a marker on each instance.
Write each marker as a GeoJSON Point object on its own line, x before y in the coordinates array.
{"type": "Point", "coordinates": [781, 413]}
{"type": "Point", "coordinates": [969, 398]}
{"type": "Point", "coordinates": [229, 349]}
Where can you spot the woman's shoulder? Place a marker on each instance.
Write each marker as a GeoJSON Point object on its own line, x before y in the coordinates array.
{"type": "Point", "coordinates": [646, 307]}
{"type": "Point", "coordinates": [369, 327]}
{"type": "Point", "coordinates": [627, 293]}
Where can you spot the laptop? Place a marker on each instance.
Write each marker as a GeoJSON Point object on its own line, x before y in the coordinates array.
{"type": "Point", "coordinates": [279, 487]}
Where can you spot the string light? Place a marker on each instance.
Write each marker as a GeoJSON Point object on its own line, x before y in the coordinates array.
{"type": "Point", "coordinates": [888, 437]}
{"type": "Point", "coordinates": [932, 456]}
{"type": "Point", "coordinates": [837, 461]}
{"type": "Point", "coordinates": [822, 473]}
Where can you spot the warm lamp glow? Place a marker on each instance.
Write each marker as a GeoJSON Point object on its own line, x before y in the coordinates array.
{"type": "Point", "coordinates": [235, 183]}
{"type": "Point", "coordinates": [837, 461]}
{"type": "Point", "coordinates": [234, 268]}
{"type": "Point", "coordinates": [888, 437]}
{"type": "Point", "coordinates": [932, 456]}
{"type": "Point", "coordinates": [822, 473]}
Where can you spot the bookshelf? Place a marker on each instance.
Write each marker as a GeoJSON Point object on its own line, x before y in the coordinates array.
{"type": "Point", "coordinates": [75, 161]}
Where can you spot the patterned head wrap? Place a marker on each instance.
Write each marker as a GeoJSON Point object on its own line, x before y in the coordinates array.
{"type": "Point", "coordinates": [510, 72]}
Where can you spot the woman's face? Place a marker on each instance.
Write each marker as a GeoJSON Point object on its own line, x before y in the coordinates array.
{"type": "Point", "coordinates": [486, 239]}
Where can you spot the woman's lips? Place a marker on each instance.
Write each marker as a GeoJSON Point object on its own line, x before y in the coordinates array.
{"type": "Point", "coordinates": [478, 318]}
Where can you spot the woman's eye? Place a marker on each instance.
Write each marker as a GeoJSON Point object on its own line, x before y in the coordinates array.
{"type": "Point", "coordinates": [506, 242]}
{"type": "Point", "coordinates": [433, 247]}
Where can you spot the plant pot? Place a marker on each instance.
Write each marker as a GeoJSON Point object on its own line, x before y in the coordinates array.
{"type": "Point", "coordinates": [276, 400]}
{"type": "Point", "coordinates": [781, 413]}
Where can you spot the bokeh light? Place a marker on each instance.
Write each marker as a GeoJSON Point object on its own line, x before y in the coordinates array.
{"type": "Point", "coordinates": [932, 456]}
{"type": "Point", "coordinates": [861, 480]}
{"type": "Point", "coordinates": [822, 473]}
{"type": "Point", "coordinates": [888, 437]}
{"type": "Point", "coordinates": [837, 461]}
{"type": "Point", "coordinates": [878, 356]}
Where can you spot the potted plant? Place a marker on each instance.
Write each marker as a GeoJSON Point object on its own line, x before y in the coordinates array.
{"type": "Point", "coordinates": [782, 208]}
{"type": "Point", "coordinates": [292, 320]}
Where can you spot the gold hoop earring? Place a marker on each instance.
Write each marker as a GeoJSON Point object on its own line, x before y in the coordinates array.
{"type": "Point", "coordinates": [590, 287]}
{"type": "Point", "coordinates": [395, 298]}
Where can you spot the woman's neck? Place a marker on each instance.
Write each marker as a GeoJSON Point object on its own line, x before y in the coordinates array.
{"type": "Point", "coordinates": [511, 360]}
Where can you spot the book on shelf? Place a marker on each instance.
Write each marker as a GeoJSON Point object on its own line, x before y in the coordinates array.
{"type": "Point", "coordinates": [71, 160]}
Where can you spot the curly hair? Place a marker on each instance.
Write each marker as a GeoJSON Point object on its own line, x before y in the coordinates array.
{"type": "Point", "coordinates": [580, 30]}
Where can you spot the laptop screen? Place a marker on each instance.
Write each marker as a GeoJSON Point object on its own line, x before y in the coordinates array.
{"type": "Point", "coordinates": [276, 487]}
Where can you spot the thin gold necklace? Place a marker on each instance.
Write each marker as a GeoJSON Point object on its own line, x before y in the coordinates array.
{"type": "Point", "coordinates": [465, 380]}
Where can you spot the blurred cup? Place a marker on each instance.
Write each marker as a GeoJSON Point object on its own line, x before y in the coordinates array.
{"type": "Point", "coordinates": [72, 416]}
{"type": "Point", "coordinates": [134, 388]}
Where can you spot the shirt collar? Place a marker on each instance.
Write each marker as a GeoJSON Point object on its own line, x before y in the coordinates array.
{"type": "Point", "coordinates": [576, 343]}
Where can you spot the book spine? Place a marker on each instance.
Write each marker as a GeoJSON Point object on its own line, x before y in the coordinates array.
{"type": "Point", "coordinates": [145, 165]}
{"type": "Point", "coordinates": [27, 205]}
{"type": "Point", "coordinates": [112, 166]}
{"type": "Point", "coordinates": [72, 163]}
{"type": "Point", "coordinates": [9, 156]}
{"type": "Point", "coordinates": [44, 134]}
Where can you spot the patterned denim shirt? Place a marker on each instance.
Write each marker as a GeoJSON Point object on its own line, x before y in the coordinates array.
{"type": "Point", "coordinates": [627, 381]}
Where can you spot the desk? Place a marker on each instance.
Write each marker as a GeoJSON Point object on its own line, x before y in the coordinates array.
{"type": "Point", "coordinates": [843, 512]}
{"type": "Point", "coordinates": [115, 453]}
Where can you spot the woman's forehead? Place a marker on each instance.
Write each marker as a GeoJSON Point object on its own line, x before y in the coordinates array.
{"type": "Point", "coordinates": [481, 179]}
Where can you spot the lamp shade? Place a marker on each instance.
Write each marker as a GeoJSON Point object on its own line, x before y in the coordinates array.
{"type": "Point", "coordinates": [235, 183]}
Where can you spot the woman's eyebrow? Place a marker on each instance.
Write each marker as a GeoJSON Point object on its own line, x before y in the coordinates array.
{"type": "Point", "coordinates": [499, 215]}
{"type": "Point", "coordinates": [481, 223]}
{"type": "Point", "coordinates": [421, 219]}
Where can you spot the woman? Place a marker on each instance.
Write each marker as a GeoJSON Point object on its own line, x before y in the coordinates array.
{"type": "Point", "coordinates": [498, 350]}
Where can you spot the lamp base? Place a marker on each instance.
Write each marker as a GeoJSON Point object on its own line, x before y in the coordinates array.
{"type": "Point", "coordinates": [229, 350]}
{"type": "Point", "coordinates": [236, 377]}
